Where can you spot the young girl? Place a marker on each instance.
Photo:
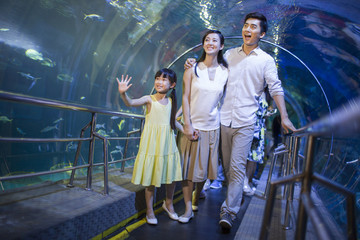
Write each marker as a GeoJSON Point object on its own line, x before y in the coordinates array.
{"type": "Point", "coordinates": [158, 159]}
{"type": "Point", "coordinates": [203, 89]}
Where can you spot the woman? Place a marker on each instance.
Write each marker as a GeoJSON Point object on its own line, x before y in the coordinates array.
{"type": "Point", "coordinates": [198, 145]}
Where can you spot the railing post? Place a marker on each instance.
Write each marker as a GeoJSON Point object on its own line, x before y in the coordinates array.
{"type": "Point", "coordinates": [269, 207]}
{"type": "Point", "coordinates": [287, 164]}
{"type": "Point", "coordinates": [290, 195]}
{"type": "Point", "coordinates": [106, 172]}
{"type": "Point", "coordinates": [70, 184]}
{"type": "Point", "coordinates": [277, 152]}
{"type": "Point", "coordinates": [91, 152]}
{"type": "Point", "coordinates": [127, 144]}
{"type": "Point", "coordinates": [285, 158]}
{"type": "Point", "coordinates": [122, 169]}
{"type": "Point", "coordinates": [305, 188]}
{"type": "Point", "coordinates": [351, 221]}
{"type": "Point", "coordinates": [322, 231]}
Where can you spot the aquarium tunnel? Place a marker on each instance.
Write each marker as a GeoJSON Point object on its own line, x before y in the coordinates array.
{"type": "Point", "coordinates": [63, 124]}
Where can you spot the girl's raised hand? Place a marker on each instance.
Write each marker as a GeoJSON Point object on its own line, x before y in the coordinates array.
{"type": "Point", "coordinates": [123, 85]}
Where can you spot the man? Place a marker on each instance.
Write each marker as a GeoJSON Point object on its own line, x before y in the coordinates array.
{"type": "Point", "coordinates": [250, 70]}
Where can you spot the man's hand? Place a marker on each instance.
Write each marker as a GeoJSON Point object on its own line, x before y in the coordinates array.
{"type": "Point", "coordinates": [287, 125]}
{"type": "Point", "coordinates": [189, 63]}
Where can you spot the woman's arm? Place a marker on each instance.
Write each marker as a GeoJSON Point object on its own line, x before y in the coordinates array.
{"type": "Point", "coordinates": [188, 129]}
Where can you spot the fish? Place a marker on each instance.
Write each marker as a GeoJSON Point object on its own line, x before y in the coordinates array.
{"type": "Point", "coordinates": [4, 29]}
{"type": "Point", "coordinates": [28, 76]}
{"type": "Point", "coordinates": [34, 55]}
{"type": "Point", "coordinates": [121, 125]}
{"type": "Point", "coordinates": [70, 146]}
{"type": "Point", "coordinates": [48, 62]}
{"type": "Point", "coordinates": [64, 77]}
{"type": "Point", "coordinates": [49, 128]}
{"type": "Point", "coordinates": [116, 151]}
{"type": "Point", "coordinates": [110, 79]}
{"type": "Point", "coordinates": [114, 117]}
{"type": "Point", "coordinates": [115, 3]}
{"type": "Point", "coordinates": [20, 131]}
{"type": "Point", "coordinates": [145, 77]}
{"type": "Point", "coordinates": [100, 126]}
{"type": "Point", "coordinates": [121, 148]}
{"type": "Point", "coordinates": [5, 119]}
{"type": "Point", "coordinates": [58, 120]}
{"type": "Point", "coordinates": [95, 17]}
{"type": "Point", "coordinates": [31, 85]}
{"type": "Point", "coordinates": [102, 133]}
{"type": "Point", "coordinates": [61, 166]}
{"type": "Point", "coordinates": [82, 97]}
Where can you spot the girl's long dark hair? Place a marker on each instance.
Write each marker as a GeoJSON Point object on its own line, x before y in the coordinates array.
{"type": "Point", "coordinates": [171, 75]}
{"type": "Point", "coordinates": [220, 56]}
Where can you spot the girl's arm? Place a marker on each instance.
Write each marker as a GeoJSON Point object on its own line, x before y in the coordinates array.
{"type": "Point", "coordinates": [188, 129]}
{"type": "Point", "coordinates": [178, 113]}
{"type": "Point", "coordinates": [123, 86]}
{"type": "Point", "coordinates": [178, 122]}
{"type": "Point", "coordinates": [179, 126]}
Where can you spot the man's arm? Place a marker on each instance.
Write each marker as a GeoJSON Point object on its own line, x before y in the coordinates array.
{"type": "Point", "coordinates": [285, 121]}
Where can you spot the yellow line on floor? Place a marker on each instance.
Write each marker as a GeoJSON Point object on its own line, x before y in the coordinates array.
{"type": "Point", "coordinates": [126, 233]}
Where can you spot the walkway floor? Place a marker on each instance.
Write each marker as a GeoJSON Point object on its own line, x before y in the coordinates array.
{"type": "Point", "coordinates": [52, 211]}
{"type": "Point", "coordinates": [205, 224]}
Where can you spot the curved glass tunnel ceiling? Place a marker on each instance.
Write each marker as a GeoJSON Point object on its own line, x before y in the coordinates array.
{"type": "Point", "coordinates": [73, 51]}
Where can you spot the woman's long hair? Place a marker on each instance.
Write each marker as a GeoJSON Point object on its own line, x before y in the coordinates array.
{"type": "Point", "coordinates": [220, 57]}
{"type": "Point", "coordinates": [171, 75]}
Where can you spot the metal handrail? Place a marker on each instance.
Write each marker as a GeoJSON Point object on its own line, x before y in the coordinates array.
{"type": "Point", "coordinates": [24, 99]}
{"type": "Point", "coordinates": [127, 143]}
{"type": "Point", "coordinates": [16, 97]}
{"type": "Point", "coordinates": [343, 122]}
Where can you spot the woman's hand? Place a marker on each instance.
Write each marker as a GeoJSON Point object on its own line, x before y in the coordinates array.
{"type": "Point", "coordinates": [191, 133]}
{"type": "Point", "coordinates": [123, 85]}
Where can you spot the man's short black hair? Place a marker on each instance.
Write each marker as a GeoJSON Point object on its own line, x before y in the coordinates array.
{"type": "Point", "coordinates": [259, 16]}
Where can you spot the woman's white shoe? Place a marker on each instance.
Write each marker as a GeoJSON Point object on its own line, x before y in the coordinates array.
{"type": "Point", "coordinates": [151, 221]}
{"type": "Point", "coordinates": [183, 219]}
{"type": "Point", "coordinates": [173, 216]}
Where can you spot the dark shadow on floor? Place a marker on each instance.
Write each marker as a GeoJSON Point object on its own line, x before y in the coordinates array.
{"type": "Point", "coordinates": [205, 224]}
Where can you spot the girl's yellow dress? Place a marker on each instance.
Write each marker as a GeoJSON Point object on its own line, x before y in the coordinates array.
{"type": "Point", "coordinates": [158, 159]}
